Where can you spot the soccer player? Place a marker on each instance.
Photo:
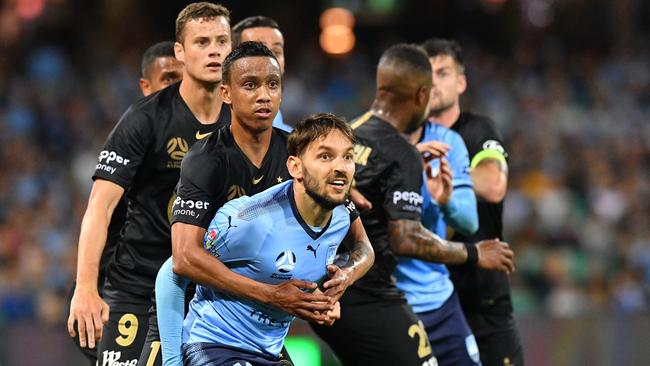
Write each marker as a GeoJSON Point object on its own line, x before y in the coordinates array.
{"type": "Point", "coordinates": [484, 295]}
{"type": "Point", "coordinates": [159, 70]}
{"type": "Point", "coordinates": [142, 157]}
{"type": "Point", "coordinates": [242, 159]}
{"type": "Point", "coordinates": [377, 326]}
{"type": "Point", "coordinates": [426, 285]}
{"type": "Point", "coordinates": [267, 31]}
{"type": "Point", "coordinates": [288, 233]}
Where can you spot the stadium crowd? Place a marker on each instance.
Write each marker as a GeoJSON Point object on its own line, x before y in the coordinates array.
{"type": "Point", "coordinates": [575, 124]}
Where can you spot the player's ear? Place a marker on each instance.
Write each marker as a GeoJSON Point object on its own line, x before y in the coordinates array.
{"type": "Point", "coordinates": [179, 52]}
{"type": "Point", "coordinates": [294, 166]}
{"type": "Point", "coordinates": [145, 86]}
{"type": "Point", "coordinates": [462, 84]}
{"type": "Point", "coordinates": [225, 93]}
{"type": "Point", "coordinates": [423, 95]}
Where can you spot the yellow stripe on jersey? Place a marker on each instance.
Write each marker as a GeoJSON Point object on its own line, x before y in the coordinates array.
{"type": "Point", "coordinates": [361, 120]}
{"type": "Point", "coordinates": [487, 154]}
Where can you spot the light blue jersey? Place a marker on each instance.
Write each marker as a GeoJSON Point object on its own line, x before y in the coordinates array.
{"type": "Point", "coordinates": [262, 237]}
{"type": "Point", "coordinates": [427, 285]}
{"type": "Point", "coordinates": [278, 122]}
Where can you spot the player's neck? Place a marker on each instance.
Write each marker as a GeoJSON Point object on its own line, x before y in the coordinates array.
{"type": "Point", "coordinates": [446, 117]}
{"type": "Point", "coordinates": [311, 212]}
{"type": "Point", "coordinates": [254, 144]}
{"type": "Point", "coordinates": [203, 99]}
{"type": "Point", "coordinates": [391, 113]}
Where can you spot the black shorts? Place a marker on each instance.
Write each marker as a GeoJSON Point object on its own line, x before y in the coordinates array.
{"type": "Point", "coordinates": [497, 337]}
{"type": "Point", "coordinates": [378, 333]}
{"type": "Point", "coordinates": [125, 332]}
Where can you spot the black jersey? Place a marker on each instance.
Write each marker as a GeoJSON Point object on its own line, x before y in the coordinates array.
{"type": "Point", "coordinates": [216, 171]}
{"type": "Point", "coordinates": [143, 154]}
{"type": "Point", "coordinates": [389, 174]}
{"type": "Point", "coordinates": [479, 288]}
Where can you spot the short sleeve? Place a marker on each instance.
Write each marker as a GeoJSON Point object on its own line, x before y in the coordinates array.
{"type": "Point", "coordinates": [401, 185]}
{"type": "Point", "coordinates": [458, 158]}
{"type": "Point", "coordinates": [486, 142]}
{"type": "Point", "coordinates": [125, 148]}
{"type": "Point", "coordinates": [196, 190]}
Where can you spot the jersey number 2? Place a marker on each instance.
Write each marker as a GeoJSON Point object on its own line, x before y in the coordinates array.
{"type": "Point", "coordinates": [424, 349]}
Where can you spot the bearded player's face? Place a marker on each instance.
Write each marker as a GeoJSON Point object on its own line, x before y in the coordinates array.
{"type": "Point", "coordinates": [206, 43]}
{"type": "Point", "coordinates": [448, 83]}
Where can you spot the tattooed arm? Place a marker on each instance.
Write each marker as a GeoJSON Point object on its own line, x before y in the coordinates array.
{"type": "Point", "coordinates": [361, 259]}
{"type": "Point", "coordinates": [409, 238]}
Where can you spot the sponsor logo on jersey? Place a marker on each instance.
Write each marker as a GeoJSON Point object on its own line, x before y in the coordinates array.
{"type": "Point", "coordinates": [201, 136]}
{"type": "Point", "coordinates": [267, 320]}
{"type": "Point", "coordinates": [312, 249]}
{"type": "Point", "coordinates": [257, 180]}
{"type": "Point", "coordinates": [112, 358]}
{"type": "Point", "coordinates": [107, 160]}
{"type": "Point", "coordinates": [177, 148]}
{"type": "Point", "coordinates": [413, 198]}
{"type": "Point", "coordinates": [188, 207]}
{"type": "Point", "coordinates": [235, 191]}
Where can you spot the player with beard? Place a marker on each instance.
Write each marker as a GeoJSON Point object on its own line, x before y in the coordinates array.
{"type": "Point", "coordinates": [267, 31]}
{"type": "Point", "coordinates": [288, 234]}
{"type": "Point", "coordinates": [142, 157]}
{"type": "Point", "coordinates": [160, 68]}
{"type": "Point", "coordinates": [377, 326]}
{"type": "Point", "coordinates": [484, 295]}
{"type": "Point", "coordinates": [242, 159]}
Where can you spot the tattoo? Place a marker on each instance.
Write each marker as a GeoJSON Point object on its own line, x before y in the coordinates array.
{"type": "Point", "coordinates": [362, 255]}
{"type": "Point", "coordinates": [409, 238]}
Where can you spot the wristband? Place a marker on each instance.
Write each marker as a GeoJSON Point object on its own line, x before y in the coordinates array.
{"type": "Point", "coordinates": [472, 254]}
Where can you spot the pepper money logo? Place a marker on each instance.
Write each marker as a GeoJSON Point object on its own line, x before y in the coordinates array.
{"type": "Point", "coordinates": [177, 148]}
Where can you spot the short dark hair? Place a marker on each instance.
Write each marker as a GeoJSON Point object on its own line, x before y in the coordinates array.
{"type": "Point", "coordinates": [314, 127]}
{"type": "Point", "coordinates": [410, 55]}
{"type": "Point", "coordinates": [202, 10]}
{"type": "Point", "coordinates": [160, 49]}
{"type": "Point", "coordinates": [444, 47]}
{"type": "Point", "coordinates": [244, 49]}
{"type": "Point", "coordinates": [251, 22]}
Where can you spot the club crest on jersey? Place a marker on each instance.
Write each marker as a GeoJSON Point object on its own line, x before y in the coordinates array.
{"type": "Point", "coordinates": [177, 148]}
{"type": "Point", "coordinates": [285, 262]}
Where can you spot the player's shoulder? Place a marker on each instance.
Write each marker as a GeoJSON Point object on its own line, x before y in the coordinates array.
{"type": "Point", "coordinates": [477, 122]}
{"type": "Point", "coordinates": [265, 206]}
{"type": "Point", "coordinates": [155, 102]}
{"type": "Point", "coordinates": [385, 141]}
{"type": "Point", "coordinates": [208, 153]}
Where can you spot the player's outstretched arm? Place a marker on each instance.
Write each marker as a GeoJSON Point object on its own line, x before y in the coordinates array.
{"type": "Point", "coordinates": [362, 256]}
{"type": "Point", "coordinates": [192, 261]}
{"type": "Point", "coordinates": [410, 239]}
{"type": "Point", "coordinates": [87, 308]}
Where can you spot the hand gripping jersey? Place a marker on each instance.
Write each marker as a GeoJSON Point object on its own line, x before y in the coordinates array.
{"type": "Point", "coordinates": [262, 237]}
{"type": "Point", "coordinates": [143, 154]}
{"type": "Point", "coordinates": [426, 284]}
